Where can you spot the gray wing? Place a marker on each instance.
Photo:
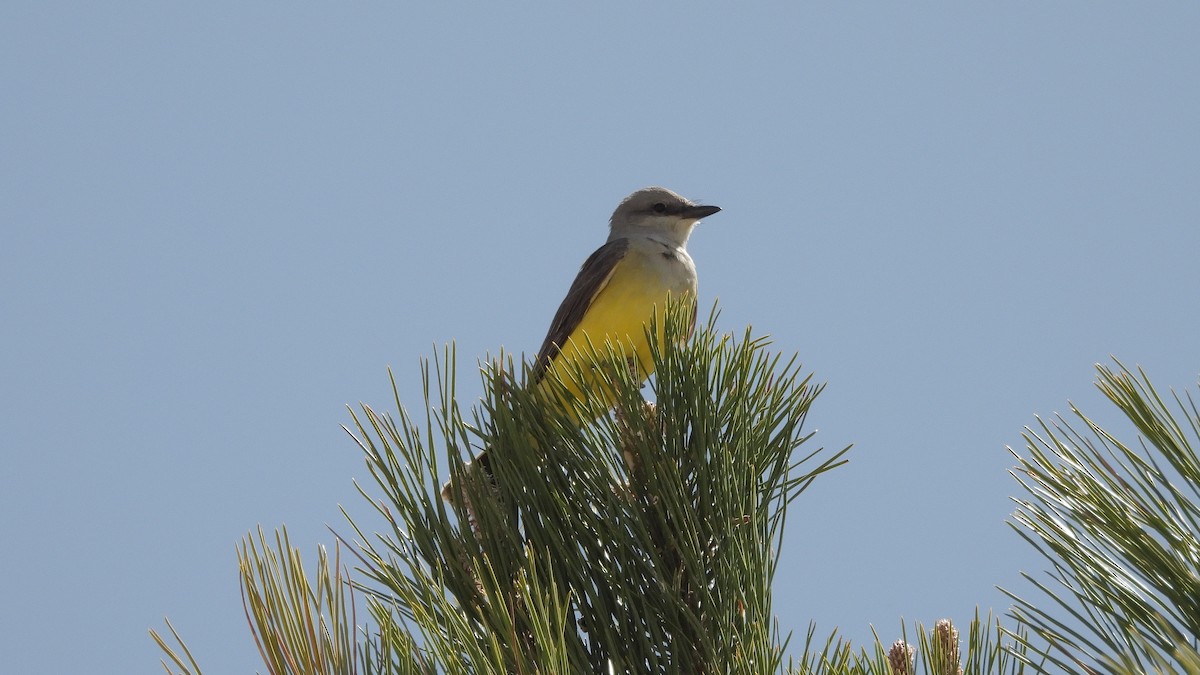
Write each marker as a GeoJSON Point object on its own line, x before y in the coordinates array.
{"type": "Point", "coordinates": [592, 279]}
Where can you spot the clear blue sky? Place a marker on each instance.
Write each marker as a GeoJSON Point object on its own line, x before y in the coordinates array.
{"type": "Point", "coordinates": [222, 222]}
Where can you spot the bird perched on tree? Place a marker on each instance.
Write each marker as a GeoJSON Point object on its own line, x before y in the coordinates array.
{"type": "Point", "coordinates": [620, 288]}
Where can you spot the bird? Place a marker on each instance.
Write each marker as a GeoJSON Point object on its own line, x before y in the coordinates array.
{"type": "Point", "coordinates": [619, 290]}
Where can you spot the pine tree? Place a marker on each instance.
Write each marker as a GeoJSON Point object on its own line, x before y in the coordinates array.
{"type": "Point", "coordinates": [647, 541]}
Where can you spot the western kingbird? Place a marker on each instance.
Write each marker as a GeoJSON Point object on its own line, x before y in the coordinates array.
{"type": "Point", "coordinates": [620, 288]}
{"type": "Point", "coordinates": [623, 284]}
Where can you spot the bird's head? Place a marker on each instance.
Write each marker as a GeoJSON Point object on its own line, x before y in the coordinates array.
{"type": "Point", "coordinates": [660, 211]}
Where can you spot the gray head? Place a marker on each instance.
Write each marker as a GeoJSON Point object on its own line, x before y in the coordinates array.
{"type": "Point", "coordinates": [656, 210]}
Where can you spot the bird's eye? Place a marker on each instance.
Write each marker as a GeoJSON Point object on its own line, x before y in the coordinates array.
{"type": "Point", "coordinates": [660, 208]}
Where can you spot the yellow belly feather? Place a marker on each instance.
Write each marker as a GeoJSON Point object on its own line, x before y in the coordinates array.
{"type": "Point", "coordinates": [618, 316]}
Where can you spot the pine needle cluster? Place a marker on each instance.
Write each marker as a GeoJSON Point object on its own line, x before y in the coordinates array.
{"type": "Point", "coordinates": [646, 541]}
{"type": "Point", "coordinates": [1120, 524]}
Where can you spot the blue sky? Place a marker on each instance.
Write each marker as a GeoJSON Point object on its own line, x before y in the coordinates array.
{"type": "Point", "coordinates": [222, 222]}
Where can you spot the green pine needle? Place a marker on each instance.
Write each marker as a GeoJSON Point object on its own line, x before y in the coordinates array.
{"type": "Point", "coordinates": [1118, 523]}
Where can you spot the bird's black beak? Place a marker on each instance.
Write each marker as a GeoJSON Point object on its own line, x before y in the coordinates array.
{"type": "Point", "coordinates": [698, 211]}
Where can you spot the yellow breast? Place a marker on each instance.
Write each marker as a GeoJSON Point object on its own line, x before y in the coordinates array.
{"type": "Point", "coordinates": [620, 315]}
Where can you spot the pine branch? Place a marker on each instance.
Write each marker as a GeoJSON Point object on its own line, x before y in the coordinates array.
{"type": "Point", "coordinates": [658, 525]}
{"type": "Point", "coordinates": [1118, 523]}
